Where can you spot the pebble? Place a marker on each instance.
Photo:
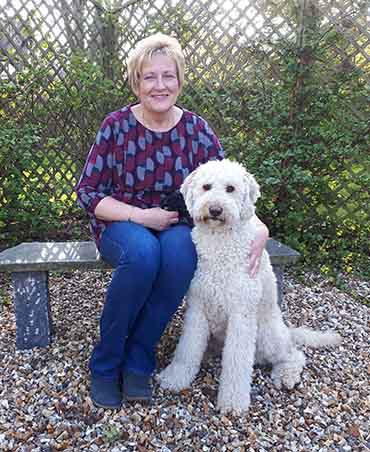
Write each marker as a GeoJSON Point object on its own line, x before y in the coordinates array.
{"type": "Point", "coordinates": [44, 403]}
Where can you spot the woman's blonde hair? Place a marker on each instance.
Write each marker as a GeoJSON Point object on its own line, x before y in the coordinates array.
{"type": "Point", "coordinates": [146, 48]}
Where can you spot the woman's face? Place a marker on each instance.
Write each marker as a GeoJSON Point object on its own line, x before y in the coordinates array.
{"type": "Point", "coordinates": [158, 86]}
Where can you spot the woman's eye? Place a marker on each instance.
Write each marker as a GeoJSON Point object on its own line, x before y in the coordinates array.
{"type": "Point", "coordinates": [230, 188]}
{"type": "Point", "coordinates": [148, 77]}
{"type": "Point", "coordinates": [207, 187]}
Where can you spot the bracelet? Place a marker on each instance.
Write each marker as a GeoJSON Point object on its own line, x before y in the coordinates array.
{"type": "Point", "coordinates": [129, 218]}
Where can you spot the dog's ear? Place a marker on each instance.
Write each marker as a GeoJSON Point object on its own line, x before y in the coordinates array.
{"type": "Point", "coordinates": [187, 191]}
{"type": "Point", "coordinates": [252, 186]}
{"type": "Point", "coordinates": [252, 193]}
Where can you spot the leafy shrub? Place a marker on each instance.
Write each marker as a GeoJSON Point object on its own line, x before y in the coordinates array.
{"type": "Point", "coordinates": [46, 126]}
{"type": "Point", "coordinates": [300, 123]}
{"type": "Point", "coordinates": [309, 148]}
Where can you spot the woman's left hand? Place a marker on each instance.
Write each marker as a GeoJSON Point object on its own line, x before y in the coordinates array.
{"type": "Point", "coordinates": [257, 248]}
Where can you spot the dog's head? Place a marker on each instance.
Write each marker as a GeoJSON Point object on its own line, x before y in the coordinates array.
{"type": "Point", "coordinates": [220, 193]}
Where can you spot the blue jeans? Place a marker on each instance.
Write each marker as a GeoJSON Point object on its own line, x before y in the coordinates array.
{"type": "Point", "coordinates": [152, 273]}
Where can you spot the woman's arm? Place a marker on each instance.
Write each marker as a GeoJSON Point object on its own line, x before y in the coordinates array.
{"type": "Point", "coordinates": [94, 188]}
{"type": "Point", "coordinates": [258, 245]}
{"type": "Point", "coordinates": [111, 209]}
{"type": "Point", "coordinates": [96, 178]}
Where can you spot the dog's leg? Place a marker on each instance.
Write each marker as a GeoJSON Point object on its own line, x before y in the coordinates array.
{"type": "Point", "coordinates": [189, 351]}
{"type": "Point", "coordinates": [274, 342]}
{"type": "Point", "coordinates": [237, 363]}
{"type": "Point", "coordinates": [276, 347]}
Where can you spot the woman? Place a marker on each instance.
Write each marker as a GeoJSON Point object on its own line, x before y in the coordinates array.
{"type": "Point", "coordinates": [142, 153]}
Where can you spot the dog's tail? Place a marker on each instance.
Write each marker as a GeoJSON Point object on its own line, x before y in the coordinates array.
{"type": "Point", "coordinates": [313, 338]}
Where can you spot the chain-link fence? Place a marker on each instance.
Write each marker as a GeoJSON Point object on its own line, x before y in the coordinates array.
{"type": "Point", "coordinates": [266, 74]}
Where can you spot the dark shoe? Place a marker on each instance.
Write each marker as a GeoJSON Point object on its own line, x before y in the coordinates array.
{"type": "Point", "coordinates": [136, 388]}
{"type": "Point", "coordinates": [105, 392]}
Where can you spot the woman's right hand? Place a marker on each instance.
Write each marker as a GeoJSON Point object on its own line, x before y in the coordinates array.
{"type": "Point", "coordinates": [156, 218]}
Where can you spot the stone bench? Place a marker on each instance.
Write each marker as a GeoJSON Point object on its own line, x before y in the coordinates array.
{"type": "Point", "coordinates": [30, 263]}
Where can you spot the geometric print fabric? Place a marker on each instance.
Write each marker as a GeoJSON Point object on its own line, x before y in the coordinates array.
{"type": "Point", "coordinates": [138, 166]}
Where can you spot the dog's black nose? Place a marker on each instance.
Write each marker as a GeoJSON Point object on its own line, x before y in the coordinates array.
{"type": "Point", "coordinates": [215, 211]}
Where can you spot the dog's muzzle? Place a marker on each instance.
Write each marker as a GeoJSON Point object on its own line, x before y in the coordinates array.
{"type": "Point", "coordinates": [215, 212]}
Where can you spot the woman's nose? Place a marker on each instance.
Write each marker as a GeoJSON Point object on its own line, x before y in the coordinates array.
{"type": "Point", "coordinates": [159, 82]}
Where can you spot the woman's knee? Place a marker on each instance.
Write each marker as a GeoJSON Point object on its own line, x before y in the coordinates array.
{"type": "Point", "coordinates": [128, 244]}
{"type": "Point", "coordinates": [178, 252]}
{"type": "Point", "coordinates": [145, 257]}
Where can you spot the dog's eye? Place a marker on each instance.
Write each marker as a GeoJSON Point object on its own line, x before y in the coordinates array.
{"type": "Point", "coordinates": [207, 187]}
{"type": "Point", "coordinates": [230, 188]}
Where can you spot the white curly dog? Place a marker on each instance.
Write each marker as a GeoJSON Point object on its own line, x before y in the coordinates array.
{"type": "Point", "coordinates": [225, 302]}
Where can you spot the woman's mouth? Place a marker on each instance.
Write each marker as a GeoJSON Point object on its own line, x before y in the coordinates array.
{"type": "Point", "coordinates": [160, 96]}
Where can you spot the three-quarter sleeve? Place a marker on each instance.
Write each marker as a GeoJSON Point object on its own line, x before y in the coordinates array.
{"type": "Point", "coordinates": [209, 144]}
{"type": "Point", "coordinates": [215, 149]}
{"type": "Point", "coordinates": [96, 179]}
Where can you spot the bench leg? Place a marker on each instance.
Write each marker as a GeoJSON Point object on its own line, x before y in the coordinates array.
{"type": "Point", "coordinates": [279, 273]}
{"type": "Point", "coordinates": [32, 309]}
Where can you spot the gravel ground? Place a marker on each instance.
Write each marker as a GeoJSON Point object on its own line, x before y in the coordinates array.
{"type": "Point", "coordinates": [44, 403]}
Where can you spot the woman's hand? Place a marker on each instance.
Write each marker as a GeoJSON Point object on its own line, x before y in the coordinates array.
{"type": "Point", "coordinates": [257, 248]}
{"type": "Point", "coordinates": [156, 218]}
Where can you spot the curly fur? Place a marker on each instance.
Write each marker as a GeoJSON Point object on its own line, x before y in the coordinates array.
{"type": "Point", "coordinates": [225, 301]}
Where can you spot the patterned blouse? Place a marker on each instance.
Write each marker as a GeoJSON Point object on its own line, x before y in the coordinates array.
{"type": "Point", "coordinates": [138, 166]}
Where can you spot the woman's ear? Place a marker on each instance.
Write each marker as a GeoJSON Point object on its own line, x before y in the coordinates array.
{"type": "Point", "coordinates": [135, 91]}
{"type": "Point", "coordinates": [135, 85]}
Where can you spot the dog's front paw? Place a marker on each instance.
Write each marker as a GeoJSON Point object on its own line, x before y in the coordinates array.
{"type": "Point", "coordinates": [228, 402]}
{"type": "Point", "coordinates": [287, 378]}
{"type": "Point", "coordinates": [288, 374]}
{"type": "Point", "coordinates": [176, 377]}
